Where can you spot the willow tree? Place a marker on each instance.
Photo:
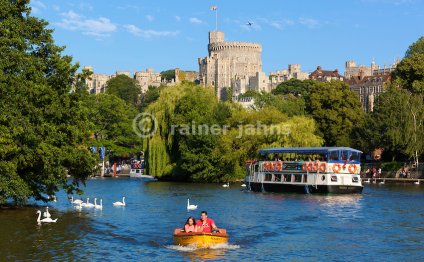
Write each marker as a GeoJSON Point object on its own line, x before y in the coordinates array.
{"type": "Point", "coordinates": [43, 128]}
{"type": "Point", "coordinates": [159, 147]}
{"type": "Point", "coordinates": [253, 130]}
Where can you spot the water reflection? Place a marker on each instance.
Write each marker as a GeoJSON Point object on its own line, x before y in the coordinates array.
{"type": "Point", "coordinates": [341, 206]}
{"type": "Point", "coordinates": [23, 238]}
{"type": "Point", "coordinates": [266, 226]}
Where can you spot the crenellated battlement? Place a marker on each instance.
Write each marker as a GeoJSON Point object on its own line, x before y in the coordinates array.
{"type": "Point", "coordinates": [235, 45]}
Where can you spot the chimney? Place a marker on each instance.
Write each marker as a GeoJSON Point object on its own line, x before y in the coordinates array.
{"type": "Point", "coordinates": [361, 74]}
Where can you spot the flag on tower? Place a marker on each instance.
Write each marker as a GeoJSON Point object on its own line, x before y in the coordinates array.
{"type": "Point", "coordinates": [214, 8]}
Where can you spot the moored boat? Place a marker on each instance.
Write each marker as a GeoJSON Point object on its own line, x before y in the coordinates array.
{"type": "Point", "coordinates": [306, 170]}
{"type": "Point", "coordinates": [200, 239]}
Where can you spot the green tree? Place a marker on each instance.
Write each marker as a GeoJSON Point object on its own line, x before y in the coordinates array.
{"type": "Point", "coordinates": [416, 48]}
{"type": "Point", "coordinates": [168, 75]}
{"type": "Point", "coordinates": [336, 109]}
{"type": "Point", "coordinates": [151, 95]}
{"type": "Point", "coordinates": [294, 87]}
{"type": "Point", "coordinates": [397, 123]}
{"type": "Point", "coordinates": [409, 73]}
{"type": "Point", "coordinates": [113, 124]}
{"type": "Point", "coordinates": [44, 130]}
{"type": "Point", "coordinates": [125, 88]}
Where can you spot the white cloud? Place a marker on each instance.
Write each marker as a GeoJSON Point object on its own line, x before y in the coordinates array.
{"type": "Point", "coordinates": [281, 24]}
{"type": "Point", "coordinates": [195, 20]}
{"type": "Point", "coordinates": [56, 8]}
{"type": "Point", "coordinates": [100, 27]}
{"type": "Point", "coordinates": [37, 6]}
{"type": "Point", "coordinates": [150, 18]}
{"type": "Point", "coordinates": [177, 18]}
{"type": "Point", "coordinates": [86, 7]}
{"type": "Point", "coordinates": [148, 33]}
{"type": "Point", "coordinates": [309, 22]}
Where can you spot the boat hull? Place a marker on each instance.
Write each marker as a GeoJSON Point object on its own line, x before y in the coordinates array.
{"type": "Point", "coordinates": [305, 189]}
{"type": "Point", "coordinates": [200, 240]}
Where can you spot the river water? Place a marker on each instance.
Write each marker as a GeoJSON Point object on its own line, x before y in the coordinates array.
{"type": "Point", "coordinates": [385, 223]}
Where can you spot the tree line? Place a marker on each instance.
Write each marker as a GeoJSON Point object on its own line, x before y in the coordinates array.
{"type": "Point", "coordinates": [49, 121]}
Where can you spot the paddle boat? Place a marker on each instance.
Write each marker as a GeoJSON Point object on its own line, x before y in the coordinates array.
{"type": "Point", "coordinates": [200, 239]}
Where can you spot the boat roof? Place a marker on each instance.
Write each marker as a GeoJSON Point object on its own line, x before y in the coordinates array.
{"type": "Point", "coordinates": [304, 150]}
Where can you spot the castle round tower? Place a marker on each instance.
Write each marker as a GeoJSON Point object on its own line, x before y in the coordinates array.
{"type": "Point", "coordinates": [229, 61]}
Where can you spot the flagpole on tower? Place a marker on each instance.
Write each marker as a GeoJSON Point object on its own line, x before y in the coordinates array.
{"type": "Point", "coordinates": [215, 8]}
{"type": "Point", "coordinates": [216, 18]}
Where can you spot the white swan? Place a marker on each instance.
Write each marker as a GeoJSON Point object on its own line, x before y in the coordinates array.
{"type": "Point", "coordinates": [243, 185]}
{"type": "Point", "coordinates": [44, 220]}
{"type": "Point", "coordinates": [382, 182]}
{"type": "Point", "coordinates": [76, 201]}
{"type": "Point", "coordinates": [78, 207]}
{"type": "Point", "coordinates": [367, 181]}
{"type": "Point", "coordinates": [117, 203]}
{"type": "Point", "coordinates": [417, 182]}
{"type": "Point", "coordinates": [88, 204]}
{"type": "Point", "coordinates": [46, 213]}
{"type": "Point", "coordinates": [226, 185]}
{"type": "Point", "coordinates": [98, 206]}
{"type": "Point", "coordinates": [190, 207]}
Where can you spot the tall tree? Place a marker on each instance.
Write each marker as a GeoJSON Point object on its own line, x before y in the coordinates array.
{"type": "Point", "coordinates": [125, 88]}
{"type": "Point", "coordinates": [336, 110]}
{"type": "Point", "coordinates": [43, 129]}
{"type": "Point", "coordinates": [416, 48]}
{"type": "Point", "coordinates": [113, 124]}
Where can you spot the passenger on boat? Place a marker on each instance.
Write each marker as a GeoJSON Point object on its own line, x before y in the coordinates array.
{"type": "Point", "coordinates": [205, 224]}
{"type": "Point", "coordinates": [190, 225]}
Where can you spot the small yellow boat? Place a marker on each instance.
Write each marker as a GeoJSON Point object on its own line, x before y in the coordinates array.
{"type": "Point", "coordinates": [199, 239]}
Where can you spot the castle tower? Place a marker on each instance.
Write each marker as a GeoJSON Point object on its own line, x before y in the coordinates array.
{"type": "Point", "coordinates": [216, 37]}
{"type": "Point", "coordinates": [226, 60]}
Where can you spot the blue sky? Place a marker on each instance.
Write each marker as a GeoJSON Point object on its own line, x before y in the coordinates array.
{"type": "Point", "coordinates": [164, 34]}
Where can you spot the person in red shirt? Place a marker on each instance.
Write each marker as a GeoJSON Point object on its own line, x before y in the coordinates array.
{"type": "Point", "coordinates": [205, 224]}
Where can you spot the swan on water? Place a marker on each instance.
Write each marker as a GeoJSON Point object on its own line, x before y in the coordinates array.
{"type": "Point", "coordinates": [88, 204]}
{"type": "Point", "coordinates": [226, 185]}
{"type": "Point", "coordinates": [118, 203]}
{"type": "Point", "coordinates": [78, 206]}
{"type": "Point", "coordinates": [44, 220]}
{"type": "Point", "coordinates": [417, 182]}
{"type": "Point", "coordinates": [76, 201]}
{"type": "Point", "coordinates": [190, 207]}
{"type": "Point", "coordinates": [243, 185]}
{"type": "Point", "coordinates": [98, 206]}
{"type": "Point", "coordinates": [382, 182]}
{"type": "Point", "coordinates": [46, 213]}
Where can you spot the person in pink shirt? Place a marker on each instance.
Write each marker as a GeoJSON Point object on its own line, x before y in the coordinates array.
{"type": "Point", "coordinates": [205, 224]}
{"type": "Point", "coordinates": [190, 225]}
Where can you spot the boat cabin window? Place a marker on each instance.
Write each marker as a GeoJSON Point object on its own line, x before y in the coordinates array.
{"type": "Point", "coordinates": [268, 177]}
{"type": "Point", "coordinates": [298, 178]}
{"type": "Point", "coordinates": [355, 156]}
{"type": "Point", "coordinates": [287, 177]}
{"type": "Point", "coordinates": [277, 177]}
{"type": "Point", "coordinates": [334, 155]}
{"type": "Point", "coordinates": [344, 155]}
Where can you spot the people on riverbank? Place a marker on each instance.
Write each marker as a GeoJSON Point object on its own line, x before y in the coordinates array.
{"type": "Point", "coordinates": [205, 224]}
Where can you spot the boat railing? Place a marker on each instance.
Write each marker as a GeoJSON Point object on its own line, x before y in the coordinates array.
{"type": "Point", "coordinates": [314, 166]}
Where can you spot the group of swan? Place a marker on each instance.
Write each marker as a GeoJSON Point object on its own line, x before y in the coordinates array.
{"type": "Point", "coordinates": [80, 204]}
{"type": "Point", "coordinates": [47, 217]}
{"type": "Point", "coordinates": [228, 185]}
